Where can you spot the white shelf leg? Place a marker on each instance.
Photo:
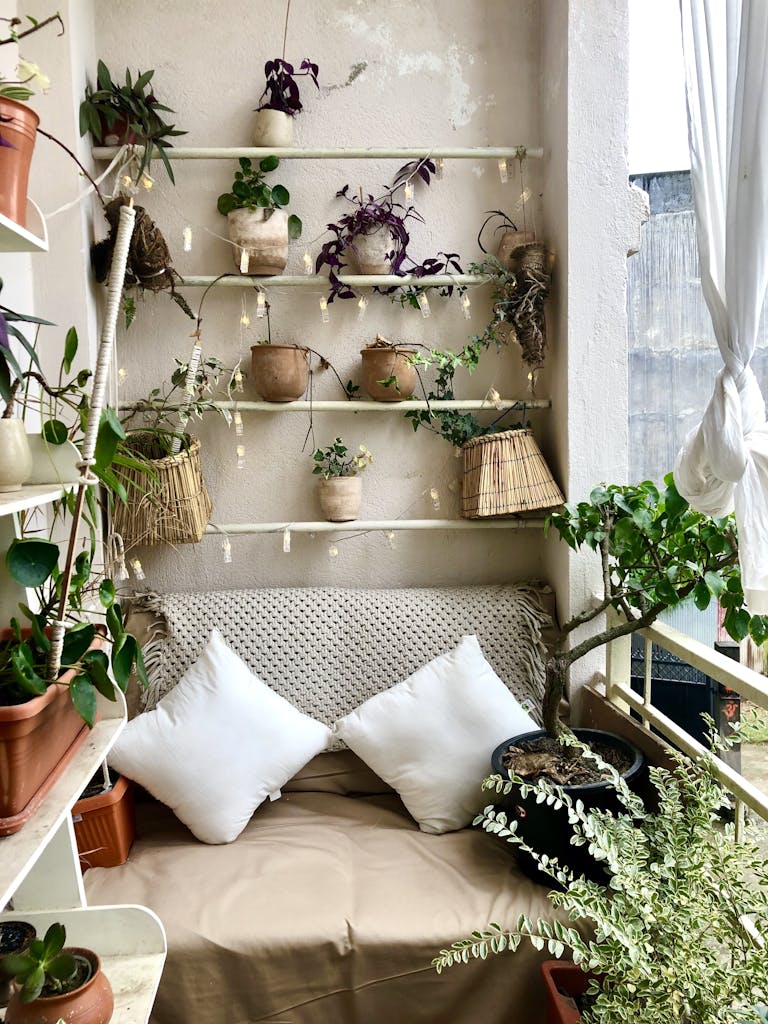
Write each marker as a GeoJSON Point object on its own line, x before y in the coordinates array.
{"type": "Point", "coordinates": [55, 880]}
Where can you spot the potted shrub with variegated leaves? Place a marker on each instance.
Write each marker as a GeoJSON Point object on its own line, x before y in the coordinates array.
{"type": "Point", "coordinates": [340, 486]}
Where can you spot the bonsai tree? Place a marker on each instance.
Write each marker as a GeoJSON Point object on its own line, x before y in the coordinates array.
{"type": "Point", "coordinates": [676, 934]}
{"type": "Point", "coordinates": [655, 552]}
{"type": "Point", "coordinates": [281, 91]}
{"type": "Point", "coordinates": [250, 191]}
{"type": "Point", "coordinates": [131, 111]}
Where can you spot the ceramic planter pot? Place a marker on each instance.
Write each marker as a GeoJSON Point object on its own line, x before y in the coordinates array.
{"type": "Point", "coordinates": [15, 937]}
{"type": "Point", "coordinates": [263, 234]}
{"type": "Point", "coordinates": [371, 251]}
{"type": "Point", "coordinates": [272, 128]}
{"type": "Point", "coordinates": [120, 134]}
{"type": "Point", "coordinates": [545, 829]}
{"type": "Point", "coordinates": [105, 826]}
{"type": "Point", "coordinates": [509, 241]}
{"type": "Point", "coordinates": [381, 363]}
{"type": "Point", "coordinates": [15, 454]}
{"type": "Point", "coordinates": [280, 372]}
{"type": "Point", "coordinates": [18, 126]}
{"type": "Point", "coordinates": [91, 1003]}
{"type": "Point", "coordinates": [340, 498]}
{"type": "Point", "coordinates": [564, 983]}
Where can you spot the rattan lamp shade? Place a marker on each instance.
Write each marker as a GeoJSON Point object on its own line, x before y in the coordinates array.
{"type": "Point", "coordinates": [506, 473]}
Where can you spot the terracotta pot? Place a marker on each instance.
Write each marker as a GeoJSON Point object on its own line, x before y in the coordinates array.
{"type": "Point", "coordinates": [510, 240]}
{"type": "Point", "coordinates": [559, 978]}
{"type": "Point", "coordinates": [15, 937]}
{"type": "Point", "coordinates": [280, 372]}
{"type": "Point", "coordinates": [272, 128]}
{"type": "Point", "coordinates": [105, 826]}
{"type": "Point", "coordinates": [38, 739]}
{"type": "Point", "coordinates": [340, 498]}
{"type": "Point", "coordinates": [263, 234]}
{"type": "Point", "coordinates": [15, 454]}
{"type": "Point", "coordinates": [382, 363]}
{"type": "Point", "coordinates": [92, 1003]}
{"type": "Point", "coordinates": [371, 251]}
{"type": "Point", "coordinates": [18, 126]}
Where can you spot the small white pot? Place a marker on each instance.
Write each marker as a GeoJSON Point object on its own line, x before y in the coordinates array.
{"type": "Point", "coordinates": [272, 128]}
{"type": "Point", "coordinates": [340, 498]}
{"type": "Point", "coordinates": [370, 252]}
{"type": "Point", "coordinates": [15, 456]}
{"type": "Point", "coordinates": [263, 234]}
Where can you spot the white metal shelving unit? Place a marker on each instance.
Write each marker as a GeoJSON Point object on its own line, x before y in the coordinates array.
{"type": "Point", "coordinates": [374, 525]}
{"type": "Point", "coordinates": [39, 865]}
{"type": "Point", "coordinates": [337, 153]}
{"type": "Point", "coordinates": [357, 405]}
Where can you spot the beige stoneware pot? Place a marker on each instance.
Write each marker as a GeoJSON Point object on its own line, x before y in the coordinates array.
{"type": "Point", "coordinates": [264, 235]}
{"type": "Point", "coordinates": [382, 363]}
{"type": "Point", "coordinates": [340, 498]}
{"type": "Point", "coordinates": [15, 456]}
{"type": "Point", "coordinates": [272, 128]}
{"type": "Point", "coordinates": [370, 251]}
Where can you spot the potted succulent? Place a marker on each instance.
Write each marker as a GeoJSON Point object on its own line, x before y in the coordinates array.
{"type": "Point", "coordinates": [259, 227]}
{"type": "Point", "coordinates": [388, 372]}
{"type": "Point", "coordinates": [677, 934]}
{"type": "Point", "coordinates": [281, 101]}
{"type": "Point", "coordinates": [55, 983]}
{"type": "Point", "coordinates": [129, 113]}
{"type": "Point", "coordinates": [15, 937]}
{"type": "Point", "coordinates": [340, 486]}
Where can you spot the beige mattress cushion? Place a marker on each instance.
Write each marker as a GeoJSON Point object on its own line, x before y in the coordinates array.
{"type": "Point", "coordinates": [328, 909]}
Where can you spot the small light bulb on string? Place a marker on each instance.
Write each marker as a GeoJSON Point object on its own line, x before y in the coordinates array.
{"type": "Point", "coordinates": [439, 168]}
{"type": "Point", "coordinates": [261, 305]}
{"type": "Point", "coordinates": [121, 572]}
{"type": "Point", "coordinates": [147, 183]}
{"type": "Point", "coordinates": [409, 191]}
{"type": "Point", "coordinates": [122, 373]}
{"type": "Point", "coordinates": [457, 452]}
{"type": "Point", "coordinates": [239, 381]}
{"type": "Point", "coordinates": [466, 306]}
{"type": "Point", "coordinates": [226, 549]}
{"type": "Point", "coordinates": [126, 181]}
{"type": "Point", "coordinates": [391, 538]}
{"type": "Point", "coordinates": [493, 396]}
{"type": "Point", "coordinates": [424, 305]}
{"type": "Point", "coordinates": [503, 171]}
{"type": "Point", "coordinates": [237, 419]}
{"type": "Point", "coordinates": [453, 486]}
{"type": "Point", "coordinates": [240, 452]}
{"type": "Point", "coordinates": [138, 572]}
{"type": "Point", "coordinates": [324, 315]}
{"type": "Point", "coordinates": [245, 320]}
{"type": "Point", "coordinates": [187, 236]}
{"type": "Point", "coordinates": [333, 550]}
{"type": "Point", "coordinates": [308, 264]}
{"type": "Point", "coordinates": [286, 541]}
{"type": "Point", "coordinates": [245, 260]}
{"type": "Point", "coordinates": [434, 495]}
{"type": "Point", "coordinates": [362, 305]}
{"type": "Point", "coordinates": [525, 195]}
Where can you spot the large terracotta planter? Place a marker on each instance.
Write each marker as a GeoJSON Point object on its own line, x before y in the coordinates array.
{"type": "Point", "coordinates": [340, 498]}
{"type": "Point", "coordinates": [263, 235]}
{"type": "Point", "coordinates": [381, 363]}
{"type": "Point", "coordinates": [280, 372]}
{"type": "Point", "coordinates": [272, 128]}
{"type": "Point", "coordinates": [38, 739]}
{"type": "Point", "coordinates": [371, 252]}
{"type": "Point", "coordinates": [15, 454]}
{"type": "Point", "coordinates": [564, 983]}
{"type": "Point", "coordinates": [18, 126]}
{"type": "Point", "coordinates": [92, 1003]}
{"type": "Point", "coordinates": [105, 826]}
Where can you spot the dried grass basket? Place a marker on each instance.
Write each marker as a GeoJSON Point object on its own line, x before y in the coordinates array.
{"type": "Point", "coordinates": [171, 507]}
{"type": "Point", "coordinates": [506, 473]}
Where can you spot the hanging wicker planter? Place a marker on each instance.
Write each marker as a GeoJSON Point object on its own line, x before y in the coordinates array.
{"type": "Point", "coordinates": [506, 473]}
{"type": "Point", "coordinates": [169, 504]}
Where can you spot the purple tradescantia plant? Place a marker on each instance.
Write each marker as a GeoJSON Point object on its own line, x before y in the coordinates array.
{"type": "Point", "coordinates": [282, 89]}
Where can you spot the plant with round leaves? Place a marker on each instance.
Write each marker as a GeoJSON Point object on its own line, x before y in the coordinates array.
{"type": "Point", "coordinates": [281, 91]}
{"type": "Point", "coordinates": [45, 968]}
{"type": "Point", "coordinates": [250, 191]}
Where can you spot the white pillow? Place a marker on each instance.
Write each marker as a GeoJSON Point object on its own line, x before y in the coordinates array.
{"type": "Point", "coordinates": [431, 736]}
{"type": "Point", "coordinates": [217, 745]}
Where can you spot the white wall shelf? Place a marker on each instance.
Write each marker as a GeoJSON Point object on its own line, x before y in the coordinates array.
{"type": "Point", "coordinates": [30, 496]}
{"type": "Point", "coordinates": [366, 525]}
{"type": "Point", "coordinates": [15, 238]}
{"type": "Point", "coordinates": [339, 153]}
{"type": "Point", "coordinates": [354, 405]}
{"type": "Point", "coordinates": [320, 282]}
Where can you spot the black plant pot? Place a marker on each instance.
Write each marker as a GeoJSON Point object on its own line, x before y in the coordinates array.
{"type": "Point", "coordinates": [547, 830]}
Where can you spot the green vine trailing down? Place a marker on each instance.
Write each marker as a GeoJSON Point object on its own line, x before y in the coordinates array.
{"type": "Point", "coordinates": [676, 934]}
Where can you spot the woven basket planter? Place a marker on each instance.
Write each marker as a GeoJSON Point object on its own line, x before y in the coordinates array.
{"type": "Point", "coordinates": [171, 507]}
{"type": "Point", "coordinates": [506, 473]}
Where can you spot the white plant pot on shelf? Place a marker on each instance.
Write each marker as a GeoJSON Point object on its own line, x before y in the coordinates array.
{"type": "Point", "coordinates": [371, 251]}
{"type": "Point", "coordinates": [340, 498]}
{"type": "Point", "coordinates": [272, 128]}
{"type": "Point", "coordinates": [53, 463]}
{"type": "Point", "coordinates": [15, 456]}
{"type": "Point", "coordinates": [263, 235]}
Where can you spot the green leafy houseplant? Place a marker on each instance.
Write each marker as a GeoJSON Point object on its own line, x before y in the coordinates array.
{"type": "Point", "coordinates": [132, 112]}
{"type": "Point", "coordinates": [250, 191]}
{"type": "Point", "coordinates": [676, 934]}
{"type": "Point", "coordinates": [45, 968]}
{"type": "Point", "coordinates": [336, 460]}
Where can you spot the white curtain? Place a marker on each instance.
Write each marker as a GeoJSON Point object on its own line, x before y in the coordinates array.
{"type": "Point", "coordinates": [723, 465]}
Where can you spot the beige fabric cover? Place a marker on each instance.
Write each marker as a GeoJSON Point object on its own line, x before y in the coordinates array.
{"type": "Point", "coordinates": [328, 910]}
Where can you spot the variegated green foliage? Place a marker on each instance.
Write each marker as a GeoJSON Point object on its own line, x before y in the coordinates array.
{"type": "Point", "coordinates": [677, 933]}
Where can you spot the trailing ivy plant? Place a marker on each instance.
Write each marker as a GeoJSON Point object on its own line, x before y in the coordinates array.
{"type": "Point", "coordinates": [676, 934]}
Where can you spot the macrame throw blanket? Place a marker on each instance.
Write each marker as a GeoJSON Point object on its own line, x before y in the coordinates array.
{"type": "Point", "coordinates": [328, 649]}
